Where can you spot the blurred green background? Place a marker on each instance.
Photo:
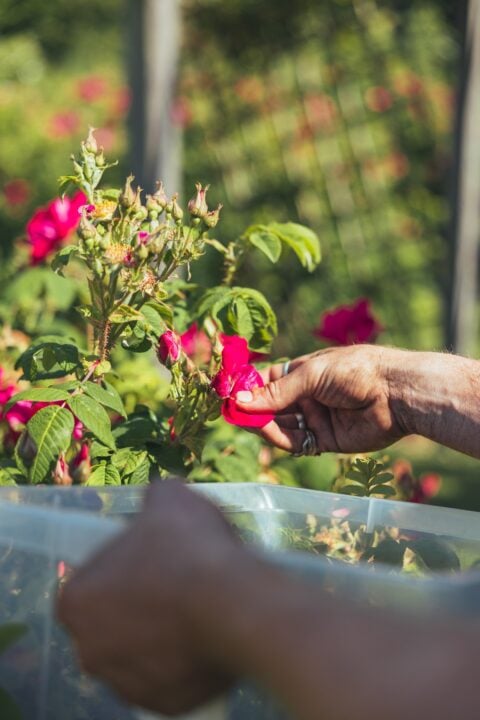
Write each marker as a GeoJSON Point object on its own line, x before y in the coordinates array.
{"type": "Point", "coordinates": [336, 114]}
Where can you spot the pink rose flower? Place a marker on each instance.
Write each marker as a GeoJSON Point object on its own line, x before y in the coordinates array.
{"type": "Point", "coordinates": [168, 349]}
{"type": "Point", "coordinates": [196, 344]}
{"type": "Point", "coordinates": [16, 192]}
{"type": "Point", "coordinates": [91, 88]}
{"type": "Point", "coordinates": [64, 124]}
{"type": "Point", "coordinates": [349, 324]}
{"type": "Point", "coordinates": [237, 374]}
{"type": "Point", "coordinates": [51, 225]}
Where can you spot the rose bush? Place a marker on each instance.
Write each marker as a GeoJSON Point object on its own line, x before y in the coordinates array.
{"type": "Point", "coordinates": [64, 413]}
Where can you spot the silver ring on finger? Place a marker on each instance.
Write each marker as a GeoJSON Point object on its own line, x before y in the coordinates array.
{"type": "Point", "coordinates": [300, 418]}
{"type": "Point", "coordinates": [309, 445]}
{"type": "Point", "coordinates": [285, 368]}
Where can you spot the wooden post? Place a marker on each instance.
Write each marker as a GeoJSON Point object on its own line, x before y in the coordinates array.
{"type": "Point", "coordinates": [154, 39]}
{"type": "Point", "coordinates": [462, 334]}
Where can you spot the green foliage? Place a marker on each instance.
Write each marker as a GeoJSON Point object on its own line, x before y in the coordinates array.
{"type": "Point", "coordinates": [303, 241]}
{"type": "Point", "coordinates": [49, 357]}
{"type": "Point", "coordinates": [241, 311]}
{"type": "Point", "coordinates": [93, 416]}
{"type": "Point", "coordinates": [50, 429]}
{"type": "Point", "coordinates": [367, 477]}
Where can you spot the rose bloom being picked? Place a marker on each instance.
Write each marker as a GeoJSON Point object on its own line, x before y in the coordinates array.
{"type": "Point", "coordinates": [237, 374]}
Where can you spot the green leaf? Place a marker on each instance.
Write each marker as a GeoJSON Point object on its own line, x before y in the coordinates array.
{"type": "Point", "coordinates": [45, 394]}
{"type": "Point", "coordinates": [240, 318]}
{"type": "Point", "coordinates": [49, 357]}
{"type": "Point", "coordinates": [303, 241]}
{"type": "Point", "coordinates": [141, 475]}
{"type": "Point", "coordinates": [236, 469]}
{"type": "Point", "coordinates": [158, 315]}
{"type": "Point", "coordinates": [384, 477]}
{"type": "Point", "coordinates": [107, 396]}
{"type": "Point", "coordinates": [353, 490]}
{"type": "Point", "coordinates": [268, 243]}
{"type": "Point", "coordinates": [136, 430]}
{"type": "Point", "coordinates": [10, 633]}
{"type": "Point", "coordinates": [385, 490]}
{"type": "Point", "coordinates": [134, 460]}
{"type": "Point", "coordinates": [124, 314]}
{"type": "Point", "coordinates": [241, 311]}
{"type": "Point", "coordinates": [51, 430]}
{"type": "Point", "coordinates": [357, 476]}
{"type": "Point", "coordinates": [8, 707]}
{"type": "Point", "coordinates": [94, 417]}
{"type": "Point", "coordinates": [104, 474]}
{"type": "Point", "coordinates": [97, 475]}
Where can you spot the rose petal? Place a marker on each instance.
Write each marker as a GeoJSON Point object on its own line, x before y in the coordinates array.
{"type": "Point", "coordinates": [238, 417]}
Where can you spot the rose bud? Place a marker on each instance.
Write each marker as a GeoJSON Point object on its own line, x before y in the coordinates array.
{"type": "Point", "coordinates": [90, 143]}
{"type": "Point", "coordinates": [61, 474]}
{"type": "Point", "coordinates": [197, 206]}
{"type": "Point", "coordinates": [128, 195]}
{"type": "Point", "coordinates": [81, 465]}
{"type": "Point", "coordinates": [177, 212]}
{"type": "Point", "coordinates": [211, 218]}
{"type": "Point", "coordinates": [168, 349]}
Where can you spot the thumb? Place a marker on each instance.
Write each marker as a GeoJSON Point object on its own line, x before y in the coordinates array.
{"type": "Point", "coordinates": [274, 397]}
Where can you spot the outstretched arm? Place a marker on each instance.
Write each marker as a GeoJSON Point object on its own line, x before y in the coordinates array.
{"type": "Point", "coordinates": [364, 397]}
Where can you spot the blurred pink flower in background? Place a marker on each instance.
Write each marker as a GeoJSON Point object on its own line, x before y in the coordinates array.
{"type": "Point", "coordinates": [321, 111]}
{"type": "Point", "coordinates": [196, 345]}
{"type": "Point", "coordinates": [349, 324]}
{"type": "Point", "coordinates": [416, 490]}
{"type": "Point", "coordinates": [16, 192]}
{"type": "Point", "coordinates": [64, 124]}
{"type": "Point", "coordinates": [121, 101]}
{"type": "Point", "coordinates": [51, 225]}
{"type": "Point", "coordinates": [91, 88]}
{"type": "Point", "coordinates": [250, 89]}
{"type": "Point", "coordinates": [181, 113]}
{"type": "Point", "coordinates": [378, 99]}
{"type": "Point", "coordinates": [106, 136]}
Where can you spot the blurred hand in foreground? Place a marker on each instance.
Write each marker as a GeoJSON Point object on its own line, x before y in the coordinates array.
{"type": "Point", "coordinates": [130, 610]}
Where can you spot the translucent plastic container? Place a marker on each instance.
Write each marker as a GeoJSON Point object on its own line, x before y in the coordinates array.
{"type": "Point", "coordinates": [40, 528]}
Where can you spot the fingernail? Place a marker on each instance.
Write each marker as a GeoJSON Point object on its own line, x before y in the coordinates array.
{"type": "Point", "coordinates": [244, 396]}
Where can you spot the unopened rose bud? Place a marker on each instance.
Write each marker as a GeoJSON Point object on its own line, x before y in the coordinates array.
{"type": "Point", "coordinates": [160, 196]}
{"type": "Point", "coordinates": [197, 206]}
{"type": "Point", "coordinates": [212, 217]}
{"type": "Point", "coordinates": [177, 212]}
{"type": "Point", "coordinates": [61, 473]}
{"type": "Point", "coordinates": [128, 195]}
{"type": "Point", "coordinates": [90, 143]}
{"type": "Point", "coordinates": [143, 252]}
{"type": "Point", "coordinates": [80, 466]}
{"type": "Point", "coordinates": [142, 212]}
{"type": "Point", "coordinates": [168, 349]}
{"type": "Point", "coordinates": [86, 229]}
{"type": "Point", "coordinates": [100, 158]}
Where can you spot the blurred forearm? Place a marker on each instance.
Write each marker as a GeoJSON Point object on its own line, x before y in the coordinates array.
{"type": "Point", "coordinates": [325, 660]}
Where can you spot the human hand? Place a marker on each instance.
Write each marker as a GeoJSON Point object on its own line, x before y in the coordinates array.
{"type": "Point", "coordinates": [343, 393]}
{"type": "Point", "coordinates": [134, 609]}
